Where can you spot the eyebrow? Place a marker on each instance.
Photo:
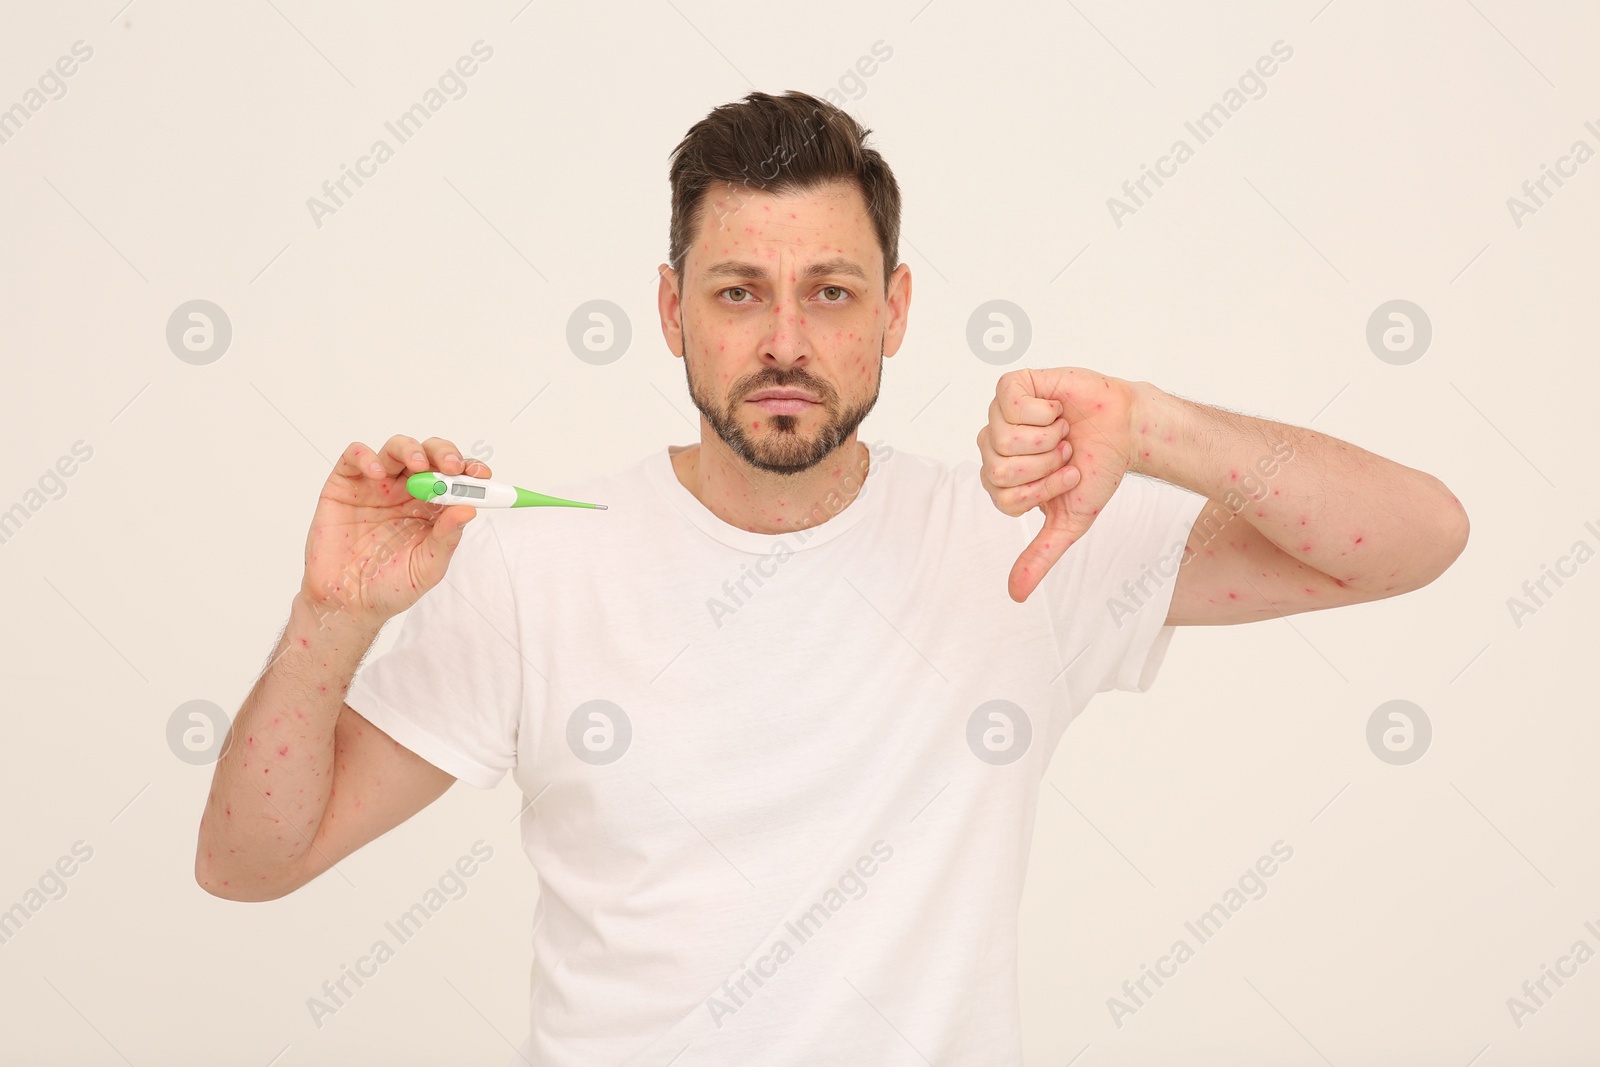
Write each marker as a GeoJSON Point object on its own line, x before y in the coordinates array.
{"type": "Point", "coordinates": [731, 268]}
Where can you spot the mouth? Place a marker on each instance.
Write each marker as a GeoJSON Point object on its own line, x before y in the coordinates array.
{"type": "Point", "coordinates": [782, 401]}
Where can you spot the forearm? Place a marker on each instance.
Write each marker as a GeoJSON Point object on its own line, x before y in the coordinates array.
{"type": "Point", "coordinates": [1364, 520]}
{"type": "Point", "coordinates": [271, 786]}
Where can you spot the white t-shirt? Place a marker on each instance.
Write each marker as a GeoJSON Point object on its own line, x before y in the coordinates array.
{"type": "Point", "coordinates": [784, 783]}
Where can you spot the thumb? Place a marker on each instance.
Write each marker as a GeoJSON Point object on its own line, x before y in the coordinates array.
{"type": "Point", "coordinates": [1057, 535]}
{"type": "Point", "coordinates": [449, 524]}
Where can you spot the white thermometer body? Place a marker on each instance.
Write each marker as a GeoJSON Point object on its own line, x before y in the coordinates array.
{"type": "Point", "coordinates": [436, 488]}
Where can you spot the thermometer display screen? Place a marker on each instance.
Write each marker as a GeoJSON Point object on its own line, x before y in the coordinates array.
{"type": "Point", "coordinates": [467, 490]}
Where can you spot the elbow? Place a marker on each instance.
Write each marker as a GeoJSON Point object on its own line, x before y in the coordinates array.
{"type": "Point", "coordinates": [240, 892]}
{"type": "Point", "coordinates": [238, 886]}
{"type": "Point", "coordinates": [1455, 527]}
{"type": "Point", "coordinates": [1451, 530]}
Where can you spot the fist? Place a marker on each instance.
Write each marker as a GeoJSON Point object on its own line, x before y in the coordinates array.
{"type": "Point", "coordinates": [1059, 440]}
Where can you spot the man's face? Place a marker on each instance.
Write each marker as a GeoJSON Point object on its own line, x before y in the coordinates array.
{"type": "Point", "coordinates": [784, 292]}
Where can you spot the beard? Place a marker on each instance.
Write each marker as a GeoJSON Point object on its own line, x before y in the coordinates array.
{"type": "Point", "coordinates": [783, 448]}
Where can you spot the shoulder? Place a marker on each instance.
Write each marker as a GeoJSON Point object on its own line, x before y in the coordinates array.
{"type": "Point", "coordinates": [947, 493]}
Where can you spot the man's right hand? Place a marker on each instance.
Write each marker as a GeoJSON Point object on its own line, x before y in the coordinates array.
{"type": "Point", "coordinates": [374, 549]}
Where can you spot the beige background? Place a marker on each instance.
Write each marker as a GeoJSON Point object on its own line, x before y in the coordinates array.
{"type": "Point", "coordinates": [1377, 166]}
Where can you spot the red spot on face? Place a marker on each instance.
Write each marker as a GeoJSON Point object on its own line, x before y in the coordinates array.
{"type": "Point", "coordinates": [1359, 540]}
{"type": "Point", "coordinates": [1233, 596]}
{"type": "Point", "coordinates": [283, 750]}
{"type": "Point", "coordinates": [304, 643]}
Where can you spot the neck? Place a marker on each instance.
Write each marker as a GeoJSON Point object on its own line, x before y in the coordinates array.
{"type": "Point", "coordinates": [763, 502]}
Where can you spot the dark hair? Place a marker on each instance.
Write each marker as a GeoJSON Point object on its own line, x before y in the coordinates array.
{"type": "Point", "coordinates": [777, 144]}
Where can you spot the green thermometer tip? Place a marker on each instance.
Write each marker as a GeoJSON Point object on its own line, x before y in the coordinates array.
{"type": "Point", "coordinates": [527, 498]}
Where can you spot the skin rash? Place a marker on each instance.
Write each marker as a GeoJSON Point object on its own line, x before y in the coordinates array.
{"type": "Point", "coordinates": [781, 291]}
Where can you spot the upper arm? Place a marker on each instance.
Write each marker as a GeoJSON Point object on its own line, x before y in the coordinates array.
{"type": "Point", "coordinates": [377, 785]}
{"type": "Point", "coordinates": [1231, 573]}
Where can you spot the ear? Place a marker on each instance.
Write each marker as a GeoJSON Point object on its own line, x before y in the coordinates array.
{"type": "Point", "coordinates": [669, 302]}
{"type": "Point", "coordinates": [899, 307]}
{"type": "Point", "coordinates": [671, 306]}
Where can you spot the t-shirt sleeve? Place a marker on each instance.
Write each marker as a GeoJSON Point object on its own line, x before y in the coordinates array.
{"type": "Point", "coordinates": [1110, 592]}
{"type": "Point", "coordinates": [450, 688]}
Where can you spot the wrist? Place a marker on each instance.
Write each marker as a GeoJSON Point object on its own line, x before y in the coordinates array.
{"type": "Point", "coordinates": [310, 616]}
{"type": "Point", "coordinates": [1159, 428]}
{"type": "Point", "coordinates": [1146, 427]}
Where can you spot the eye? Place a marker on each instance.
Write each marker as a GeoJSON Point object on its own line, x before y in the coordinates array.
{"type": "Point", "coordinates": [833, 299]}
{"type": "Point", "coordinates": [743, 292]}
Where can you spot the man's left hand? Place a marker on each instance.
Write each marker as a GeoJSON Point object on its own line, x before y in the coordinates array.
{"type": "Point", "coordinates": [1059, 440]}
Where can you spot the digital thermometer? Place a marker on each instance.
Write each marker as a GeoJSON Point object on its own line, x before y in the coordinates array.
{"type": "Point", "coordinates": [436, 488]}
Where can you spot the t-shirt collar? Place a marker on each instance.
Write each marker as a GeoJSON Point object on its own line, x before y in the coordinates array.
{"type": "Point", "coordinates": [662, 474]}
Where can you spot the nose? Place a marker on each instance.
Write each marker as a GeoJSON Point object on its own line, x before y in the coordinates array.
{"type": "Point", "coordinates": [785, 343]}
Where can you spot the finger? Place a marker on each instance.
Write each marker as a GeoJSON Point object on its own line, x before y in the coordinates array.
{"type": "Point", "coordinates": [1012, 440]}
{"type": "Point", "coordinates": [1021, 499]}
{"type": "Point", "coordinates": [477, 468]}
{"type": "Point", "coordinates": [1018, 405]}
{"type": "Point", "coordinates": [359, 461]}
{"type": "Point", "coordinates": [1009, 472]}
{"type": "Point", "coordinates": [403, 454]}
{"type": "Point", "coordinates": [445, 456]}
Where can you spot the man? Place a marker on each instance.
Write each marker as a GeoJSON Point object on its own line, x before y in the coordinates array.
{"type": "Point", "coordinates": [780, 732]}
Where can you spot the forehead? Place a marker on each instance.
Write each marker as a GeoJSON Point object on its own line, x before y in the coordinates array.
{"type": "Point", "coordinates": [827, 219]}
